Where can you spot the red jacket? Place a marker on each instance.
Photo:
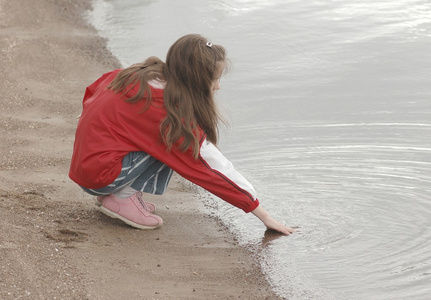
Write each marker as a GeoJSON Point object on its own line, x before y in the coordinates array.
{"type": "Point", "coordinates": [109, 128]}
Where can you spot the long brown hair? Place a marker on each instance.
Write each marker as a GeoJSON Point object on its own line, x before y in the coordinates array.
{"type": "Point", "coordinates": [191, 68]}
{"type": "Point", "coordinates": [138, 74]}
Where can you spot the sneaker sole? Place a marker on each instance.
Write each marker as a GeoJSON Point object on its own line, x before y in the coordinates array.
{"type": "Point", "coordinates": [128, 222]}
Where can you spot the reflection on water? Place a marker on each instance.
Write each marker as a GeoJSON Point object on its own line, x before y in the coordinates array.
{"type": "Point", "coordinates": [330, 110]}
{"type": "Point", "coordinates": [272, 235]}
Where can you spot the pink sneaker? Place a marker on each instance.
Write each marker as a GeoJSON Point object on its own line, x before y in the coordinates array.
{"type": "Point", "coordinates": [151, 207]}
{"type": "Point", "coordinates": [132, 211]}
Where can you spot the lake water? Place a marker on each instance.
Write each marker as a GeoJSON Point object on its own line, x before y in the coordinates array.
{"type": "Point", "coordinates": [330, 110]}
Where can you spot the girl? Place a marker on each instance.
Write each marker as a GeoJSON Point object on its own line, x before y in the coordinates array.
{"type": "Point", "coordinates": [141, 123]}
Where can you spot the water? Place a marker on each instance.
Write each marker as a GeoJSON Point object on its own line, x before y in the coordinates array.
{"type": "Point", "coordinates": [330, 112]}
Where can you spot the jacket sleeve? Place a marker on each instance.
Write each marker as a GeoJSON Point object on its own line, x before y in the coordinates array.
{"type": "Point", "coordinates": [215, 173]}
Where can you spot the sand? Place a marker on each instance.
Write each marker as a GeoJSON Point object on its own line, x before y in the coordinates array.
{"type": "Point", "coordinates": [54, 243]}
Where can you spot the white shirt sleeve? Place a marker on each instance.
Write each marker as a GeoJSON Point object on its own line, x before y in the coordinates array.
{"type": "Point", "coordinates": [216, 161]}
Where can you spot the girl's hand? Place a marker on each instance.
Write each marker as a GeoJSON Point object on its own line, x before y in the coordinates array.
{"type": "Point", "coordinates": [270, 223]}
{"type": "Point", "coordinates": [277, 226]}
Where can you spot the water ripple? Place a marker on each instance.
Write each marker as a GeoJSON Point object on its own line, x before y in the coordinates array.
{"type": "Point", "coordinates": [361, 199]}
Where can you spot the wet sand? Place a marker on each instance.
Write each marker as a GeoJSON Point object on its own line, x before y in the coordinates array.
{"type": "Point", "coordinates": [54, 243]}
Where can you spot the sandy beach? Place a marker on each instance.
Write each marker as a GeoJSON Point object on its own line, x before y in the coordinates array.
{"type": "Point", "coordinates": [54, 243]}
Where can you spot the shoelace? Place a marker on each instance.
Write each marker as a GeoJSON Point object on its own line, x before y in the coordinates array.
{"type": "Point", "coordinates": [139, 197]}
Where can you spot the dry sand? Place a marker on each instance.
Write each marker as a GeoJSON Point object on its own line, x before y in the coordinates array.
{"type": "Point", "coordinates": [54, 243]}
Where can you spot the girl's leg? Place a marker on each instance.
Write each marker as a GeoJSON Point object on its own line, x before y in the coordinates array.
{"type": "Point", "coordinates": [140, 172]}
{"type": "Point", "coordinates": [155, 181]}
{"type": "Point", "coordinates": [121, 199]}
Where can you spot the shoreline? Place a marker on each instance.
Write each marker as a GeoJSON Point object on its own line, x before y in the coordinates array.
{"type": "Point", "coordinates": [55, 243]}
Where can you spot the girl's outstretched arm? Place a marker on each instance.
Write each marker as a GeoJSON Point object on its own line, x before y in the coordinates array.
{"type": "Point", "coordinates": [270, 223]}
